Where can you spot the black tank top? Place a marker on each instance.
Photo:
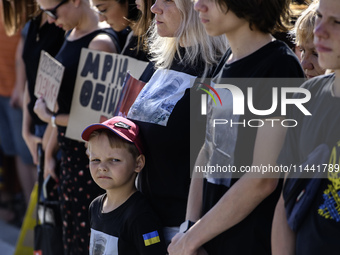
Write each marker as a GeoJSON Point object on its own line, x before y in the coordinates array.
{"type": "Point", "coordinates": [69, 56]}
{"type": "Point", "coordinates": [49, 38]}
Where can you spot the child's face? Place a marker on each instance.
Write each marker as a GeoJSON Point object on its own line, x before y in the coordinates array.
{"type": "Point", "coordinates": [112, 168]}
{"type": "Point", "coordinates": [216, 21]}
{"type": "Point", "coordinates": [327, 34]}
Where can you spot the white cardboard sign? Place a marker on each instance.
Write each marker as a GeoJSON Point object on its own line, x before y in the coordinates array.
{"type": "Point", "coordinates": [49, 77]}
{"type": "Point", "coordinates": [100, 77]}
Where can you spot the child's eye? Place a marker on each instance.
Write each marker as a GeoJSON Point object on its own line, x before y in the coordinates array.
{"type": "Point", "coordinates": [115, 160]}
{"type": "Point", "coordinates": [95, 160]}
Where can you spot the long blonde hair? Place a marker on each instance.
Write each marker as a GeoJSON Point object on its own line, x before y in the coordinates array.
{"type": "Point", "coordinates": [192, 33]}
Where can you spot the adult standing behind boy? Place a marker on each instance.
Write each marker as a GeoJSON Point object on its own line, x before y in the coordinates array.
{"type": "Point", "coordinates": [121, 220]}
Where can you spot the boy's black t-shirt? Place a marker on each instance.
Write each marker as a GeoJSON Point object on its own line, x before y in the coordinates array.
{"type": "Point", "coordinates": [133, 228]}
{"type": "Point", "coordinates": [320, 230]}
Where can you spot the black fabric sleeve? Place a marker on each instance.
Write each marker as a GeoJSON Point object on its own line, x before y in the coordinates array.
{"type": "Point", "coordinates": [144, 227]}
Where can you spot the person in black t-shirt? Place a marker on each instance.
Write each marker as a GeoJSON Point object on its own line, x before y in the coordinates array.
{"type": "Point", "coordinates": [319, 231]}
{"type": "Point", "coordinates": [233, 210]}
{"type": "Point", "coordinates": [181, 51]}
{"type": "Point", "coordinates": [121, 220]}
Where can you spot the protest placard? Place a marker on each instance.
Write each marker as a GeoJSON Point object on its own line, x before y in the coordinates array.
{"type": "Point", "coordinates": [49, 77]}
{"type": "Point", "coordinates": [99, 83]}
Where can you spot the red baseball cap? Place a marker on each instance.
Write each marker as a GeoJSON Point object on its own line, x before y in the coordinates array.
{"type": "Point", "coordinates": [121, 126]}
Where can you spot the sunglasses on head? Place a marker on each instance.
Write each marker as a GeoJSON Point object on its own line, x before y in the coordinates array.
{"type": "Point", "coordinates": [53, 12]}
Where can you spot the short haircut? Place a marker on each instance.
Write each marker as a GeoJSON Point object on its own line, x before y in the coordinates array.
{"type": "Point", "coordinates": [304, 26]}
{"type": "Point", "coordinates": [116, 141]}
{"type": "Point", "coordinates": [268, 16]}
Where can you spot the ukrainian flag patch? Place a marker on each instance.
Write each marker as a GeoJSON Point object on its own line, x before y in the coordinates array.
{"type": "Point", "coordinates": [151, 238]}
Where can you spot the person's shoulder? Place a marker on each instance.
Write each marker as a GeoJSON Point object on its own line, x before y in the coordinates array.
{"type": "Point", "coordinates": [319, 82]}
{"type": "Point", "coordinates": [103, 42]}
{"type": "Point", "coordinates": [281, 61]}
{"type": "Point", "coordinates": [139, 200]}
{"type": "Point", "coordinates": [140, 215]}
{"type": "Point", "coordinates": [138, 205]}
{"type": "Point", "coordinates": [278, 49]}
{"type": "Point", "coordinates": [97, 201]}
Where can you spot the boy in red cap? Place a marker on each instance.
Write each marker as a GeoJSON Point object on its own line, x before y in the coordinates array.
{"type": "Point", "coordinates": [121, 220]}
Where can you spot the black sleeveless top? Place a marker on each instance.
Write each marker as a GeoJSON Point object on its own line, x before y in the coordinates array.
{"type": "Point", "coordinates": [49, 38]}
{"type": "Point", "coordinates": [69, 56]}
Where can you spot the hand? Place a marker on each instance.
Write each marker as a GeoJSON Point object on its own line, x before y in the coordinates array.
{"type": "Point", "coordinates": [17, 99]}
{"type": "Point", "coordinates": [49, 167]}
{"type": "Point", "coordinates": [179, 246]}
{"type": "Point", "coordinates": [41, 110]}
{"type": "Point", "coordinates": [32, 144]}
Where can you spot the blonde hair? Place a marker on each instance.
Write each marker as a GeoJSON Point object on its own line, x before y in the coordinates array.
{"type": "Point", "coordinates": [191, 33]}
{"type": "Point", "coordinates": [304, 26]}
{"type": "Point", "coordinates": [115, 141]}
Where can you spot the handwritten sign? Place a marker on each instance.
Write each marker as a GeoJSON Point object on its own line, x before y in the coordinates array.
{"type": "Point", "coordinates": [99, 83]}
{"type": "Point", "coordinates": [49, 77]}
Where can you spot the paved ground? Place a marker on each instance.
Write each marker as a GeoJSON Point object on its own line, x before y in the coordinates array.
{"type": "Point", "coordinates": [8, 238]}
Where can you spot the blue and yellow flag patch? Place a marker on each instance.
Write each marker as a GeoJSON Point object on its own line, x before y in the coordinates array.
{"type": "Point", "coordinates": [151, 238]}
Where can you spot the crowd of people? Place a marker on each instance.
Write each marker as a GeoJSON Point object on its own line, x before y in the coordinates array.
{"type": "Point", "coordinates": [131, 185]}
